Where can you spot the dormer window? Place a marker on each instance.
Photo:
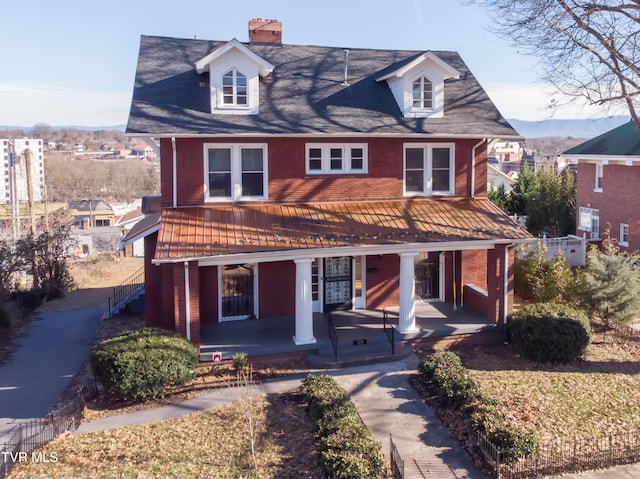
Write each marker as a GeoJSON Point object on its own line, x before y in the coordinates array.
{"type": "Point", "coordinates": [422, 93]}
{"type": "Point", "coordinates": [418, 86]}
{"type": "Point", "coordinates": [234, 88]}
{"type": "Point", "coordinates": [234, 78]}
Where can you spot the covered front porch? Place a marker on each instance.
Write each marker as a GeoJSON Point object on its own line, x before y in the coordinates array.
{"type": "Point", "coordinates": [360, 333]}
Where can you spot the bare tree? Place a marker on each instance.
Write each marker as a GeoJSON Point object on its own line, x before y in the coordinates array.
{"type": "Point", "coordinates": [587, 49]}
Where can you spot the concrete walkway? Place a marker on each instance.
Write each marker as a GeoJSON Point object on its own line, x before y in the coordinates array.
{"type": "Point", "coordinates": [385, 400]}
{"type": "Point", "coordinates": [48, 356]}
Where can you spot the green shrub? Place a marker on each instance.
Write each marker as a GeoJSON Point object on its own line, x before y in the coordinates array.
{"type": "Point", "coordinates": [32, 299]}
{"type": "Point", "coordinates": [141, 364]}
{"type": "Point", "coordinates": [546, 332]}
{"type": "Point", "coordinates": [5, 319]}
{"type": "Point", "coordinates": [455, 386]}
{"type": "Point", "coordinates": [346, 449]}
{"type": "Point", "coordinates": [515, 444]}
{"type": "Point", "coordinates": [240, 361]}
{"type": "Point", "coordinates": [539, 278]}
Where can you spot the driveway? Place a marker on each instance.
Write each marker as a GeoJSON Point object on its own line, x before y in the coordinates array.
{"type": "Point", "coordinates": [48, 356]}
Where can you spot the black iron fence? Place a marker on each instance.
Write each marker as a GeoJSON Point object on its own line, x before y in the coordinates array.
{"type": "Point", "coordinates": [397, 464]}
{"type": "Point", "coordinates": [28, 436]}
{"type": "Point", "coordinates": [389, 330]}
{"type": "Point", "coordinates": [122, 294]}
{"type": "Point", "coordinates": [568, 456]}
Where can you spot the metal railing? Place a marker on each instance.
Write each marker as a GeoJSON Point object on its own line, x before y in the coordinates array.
{"type": "Point", "coordinates": [389, 330]}
{"type": "Point", "coordinates": [568, 456]}
{"type": "Point", "coordinates": [397, 463]}
{"type": "Point", "coordinates": [333, 336]}
{"type": "Point", "coordinates": [30, 435]}
{"type": "Point", "coordinates": [122, 294]}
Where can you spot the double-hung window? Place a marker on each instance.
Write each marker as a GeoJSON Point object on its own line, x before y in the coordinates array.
{"type": "Point", "coordinates": [234, 89]}
{"type": "Point", "coordinates": [428, 169]}
{"type": "Point", "coordinates": [336, 158]}
{"type": "Point", "coordinates": [235, 172]}
{"type": "Point", "coordinates": [599, 175]}
{"type": "Point", "coordinates": [624, 234]}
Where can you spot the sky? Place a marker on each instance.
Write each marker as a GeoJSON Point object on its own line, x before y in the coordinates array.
{"type": "Point", "coordinates": [72, 62]}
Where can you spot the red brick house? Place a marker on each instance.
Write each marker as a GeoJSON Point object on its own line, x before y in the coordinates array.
{"type": "Point", "coordinates": [301, 179]}
{"type": "Point", "coordinates": [608, 176]}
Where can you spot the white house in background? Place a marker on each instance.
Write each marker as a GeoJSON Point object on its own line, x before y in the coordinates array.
{"type": "Point", "coordinates": [13, 177]}
{"type": "Point", "coordinates": [127, 222]}
{"type": "Point", "coordinates": [496, 178]}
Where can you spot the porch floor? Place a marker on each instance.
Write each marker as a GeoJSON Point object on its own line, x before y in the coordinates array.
{"type": "Point", "coordinates": [275, 336]}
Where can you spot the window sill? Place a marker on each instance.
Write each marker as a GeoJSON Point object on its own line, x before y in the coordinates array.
{"type": "Point", "coordinates": [597, 190]}
{"type": "Point", "coordinates": [623, 243]}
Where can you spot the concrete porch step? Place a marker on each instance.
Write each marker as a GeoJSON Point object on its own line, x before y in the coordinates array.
{"type": "Point", "coordinates": [358, 355]}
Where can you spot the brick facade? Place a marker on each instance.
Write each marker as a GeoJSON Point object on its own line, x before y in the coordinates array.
{"type": "Point", "coordinates": [617, 202]}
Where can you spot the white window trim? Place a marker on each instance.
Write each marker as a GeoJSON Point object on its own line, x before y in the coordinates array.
{"type": "Point", "coordinates": [428, 169]}
{"type": "Point", "coordinates": [599, 174]}
{"type": "Point", "coordinates": [423, 109]}
{"type": "Point", "coordinates": [346, 158]}
{"type": "Point", "coordinates": [236, 172]}
{"type": "Point", "coordinates": [622, 227]}
{"type": "Point", "coordinates": [592, 212]}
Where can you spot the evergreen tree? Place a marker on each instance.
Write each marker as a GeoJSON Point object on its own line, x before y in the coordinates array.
{"type": "Point", "coordinates": [612, 284]}
{"type": "Point", "coordinates": [521, 192]}
{"type": "Point", "coordinates": [498, 197]}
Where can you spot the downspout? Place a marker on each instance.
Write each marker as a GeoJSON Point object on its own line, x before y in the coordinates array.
{"type": "Point", "coordinates": [174, 178]}
{"type": "Point", "coordinates": [473, 168]}
{"type": "Point", "coordinates": [187, 300]}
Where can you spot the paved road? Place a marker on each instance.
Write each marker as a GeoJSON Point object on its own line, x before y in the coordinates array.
{"type": "Point", "coordinates": [48, 356]}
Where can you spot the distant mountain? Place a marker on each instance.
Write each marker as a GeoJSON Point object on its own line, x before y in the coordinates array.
{"type": "Point", "coordinates": [70, 127]}
{"type": "Point", "coordinates": [567, 128]}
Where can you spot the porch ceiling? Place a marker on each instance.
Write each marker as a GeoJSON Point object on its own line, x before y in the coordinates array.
{"type": "Point", "coordinates": [217, 230]}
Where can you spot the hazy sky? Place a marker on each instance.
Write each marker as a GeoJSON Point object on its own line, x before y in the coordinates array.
{"type": "Point", "coordinates": [72, 62]}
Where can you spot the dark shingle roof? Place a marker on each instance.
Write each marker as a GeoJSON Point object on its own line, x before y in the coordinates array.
{"type": "Point", "coordinates": [621, 141]}
{"type": "Point", "coordinates": [303, 95]}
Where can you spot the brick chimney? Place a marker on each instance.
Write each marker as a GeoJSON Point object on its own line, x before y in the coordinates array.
{"type": "Point", "coordinates": [265, 31]}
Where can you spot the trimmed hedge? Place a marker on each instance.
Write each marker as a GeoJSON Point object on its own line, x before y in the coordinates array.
{"type": "Point", "coordinates": [549, 332]}
{"type": "Point", "coordinates": [457, 390]}
{"type": "Point", "coordinates": [346, 449]}
{"type": "Point", "coordinates": [141, 364]}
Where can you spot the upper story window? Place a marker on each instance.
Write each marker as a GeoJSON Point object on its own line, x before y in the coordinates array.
{"type": "Point", "coordinates": [599, 175]}
{"type": "Point", "coordinates": [235, 172]}
{"type": "Point", "coordinates": [624, 234]}
{"type": "Point", "coordinates": [428, 169]}
{"type": "Point", "coordinates": [336, 158]}
{"type": "Point", "coordinates": [234, 88]}
{"type": "Point", "coordinates": [422, 93]}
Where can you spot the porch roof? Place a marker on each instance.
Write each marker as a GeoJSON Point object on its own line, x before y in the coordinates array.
{"type": "Point", "coordinates": [209, 232]}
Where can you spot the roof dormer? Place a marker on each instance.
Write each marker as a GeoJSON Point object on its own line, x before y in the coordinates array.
{"type": "Point", "coordinates": [234, 78]}
{"type": "Point", "coordinates": [418, 86]}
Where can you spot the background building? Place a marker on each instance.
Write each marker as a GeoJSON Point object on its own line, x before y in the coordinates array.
{"type": "Point", "coordinates": [13, 175]}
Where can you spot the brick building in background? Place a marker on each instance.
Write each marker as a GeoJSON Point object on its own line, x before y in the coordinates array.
{"type": "Point", "coordinates": [607, 186]}
{"type": "Point", "coordinates": [301, 179]}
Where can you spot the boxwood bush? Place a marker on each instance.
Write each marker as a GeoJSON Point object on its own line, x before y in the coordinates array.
{"type": "Point", "coordinates": [141, 364]}
{"type": "Point", "coordinates": [456, 389]}
{"type": "Point", "coordinates": [549, 332]}
{"type": "Point", "coordinates": [346, 449]}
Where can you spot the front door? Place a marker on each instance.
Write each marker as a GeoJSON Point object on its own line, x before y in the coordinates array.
{"type": "Point", "coordinates": [237, 292]}
{"type": "Point", "coordinates": [427, 277]}
{"type": "Point", "coordinates": [338, 284]}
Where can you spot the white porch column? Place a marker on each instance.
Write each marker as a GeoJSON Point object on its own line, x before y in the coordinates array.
{"type": "Point", "coordinates": [304, 303]}
{"type": "Point", "coordinates": [407, 319]}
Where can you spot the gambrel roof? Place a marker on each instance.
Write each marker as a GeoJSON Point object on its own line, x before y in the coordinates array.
{"type": "Point", "coordinates": [305, 94]}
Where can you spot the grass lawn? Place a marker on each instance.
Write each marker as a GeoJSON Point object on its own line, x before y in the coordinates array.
{"type": "Point", "coordinates": [213, 443]}
{"type": "Point", "coordinates": [587, 398]}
